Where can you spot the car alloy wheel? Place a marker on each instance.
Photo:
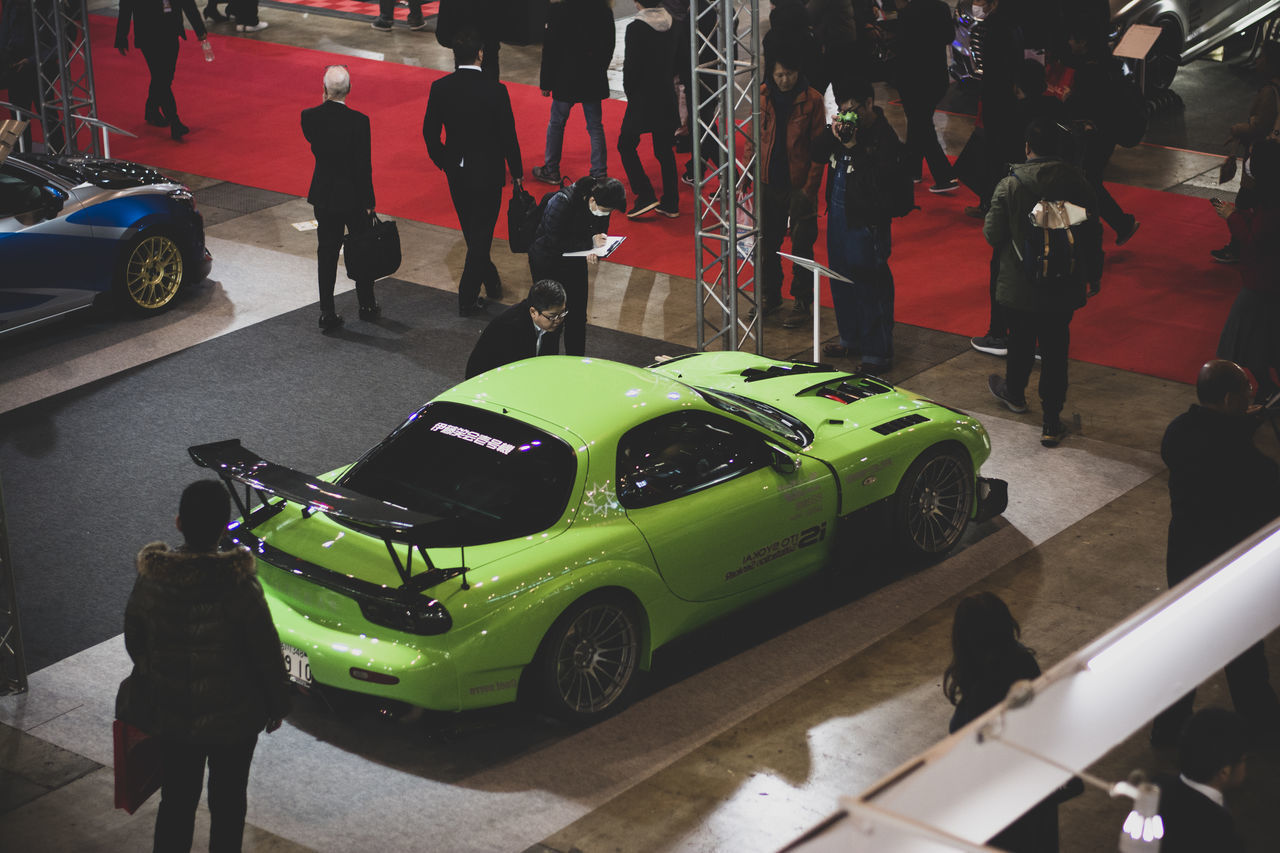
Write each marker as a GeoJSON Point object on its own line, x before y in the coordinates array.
{"type": "Point", "coordinates": [591, 658]}
{"type": "Point", "coordinates": [152, 273]}
{"type": "Point", "coordinates": [934, 501]}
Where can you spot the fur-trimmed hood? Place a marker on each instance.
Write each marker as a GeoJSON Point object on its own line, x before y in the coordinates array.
{"type": "Point", "coordinates": [657, 17]}
{"type": "Point", "coordinates": [158, 562]}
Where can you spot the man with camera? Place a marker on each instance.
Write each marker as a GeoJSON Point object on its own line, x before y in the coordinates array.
{"type": "Point", "coordinates": [1221, 490]}
{"type": "Point", "coordinates": [867, 186]}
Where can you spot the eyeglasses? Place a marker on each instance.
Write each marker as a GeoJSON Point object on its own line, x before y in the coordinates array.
{"type": "Point", "coordinates": [554, 317]}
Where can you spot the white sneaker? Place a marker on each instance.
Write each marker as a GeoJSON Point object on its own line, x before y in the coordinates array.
{"type": "Point", "coordinates": [253, 28]}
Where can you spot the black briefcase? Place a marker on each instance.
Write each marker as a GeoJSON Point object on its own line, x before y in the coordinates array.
{"type": "Point", "coordinates": [374, 253]}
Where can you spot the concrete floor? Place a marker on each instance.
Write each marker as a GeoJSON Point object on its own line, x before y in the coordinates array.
{"type": "Point", "coordinates": [744, 740]}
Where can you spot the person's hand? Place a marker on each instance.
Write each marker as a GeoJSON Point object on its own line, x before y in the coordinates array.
{"type": "Point", "coordinates": [593, 259]}
{"type": "Point", "coordinates": [546, 93]}
{"type": "Point", "coordinates": [802, 207]}
{"type": "Point", "coordinates": [1222, 208]}
{"type": "Point", "coordinates": [598, 240]}
{"type": "Point", "coordinates": [272, 725]}
{"type": "Point", "coordinates": [21, 63]}
{"type": "Point", "coordinates": [1238, 130]}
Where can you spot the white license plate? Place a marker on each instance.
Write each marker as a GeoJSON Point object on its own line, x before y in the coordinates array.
{"type": "Point", "coordinates": [295, 660]}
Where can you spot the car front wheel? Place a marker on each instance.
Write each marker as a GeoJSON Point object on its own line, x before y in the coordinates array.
{"type": "Point", "coordinates": [589, 659]}
{"type": "Point", "coordinates": [933, 502]}
{"type": "Point", "coordinates": [150, 273]}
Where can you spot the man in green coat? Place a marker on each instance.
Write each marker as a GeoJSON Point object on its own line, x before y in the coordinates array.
{"type": "Point", "coordinates": [1039, 312]}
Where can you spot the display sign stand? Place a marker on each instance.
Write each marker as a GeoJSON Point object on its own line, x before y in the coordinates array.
{"type": "Point", "coordinates": [1135, 44]}
{"type": "Point", "coordinates": [818, 270]}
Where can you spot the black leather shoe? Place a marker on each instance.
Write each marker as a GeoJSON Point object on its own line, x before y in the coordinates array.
{"type": "Point", "coordinates": [154, 117]}
{"type": "Point", "coordinates": [211, 12]}
{"type": "Point", "coordinates": [371, 312]}
{"type": "Point", "coordinates": [493, 292]}
{"type": "Point", "coordinates": [177, 129]}
{"type": "Point", "coordinates": [330, 321]}
{"type": "Point", "coordinates": [475, 308]}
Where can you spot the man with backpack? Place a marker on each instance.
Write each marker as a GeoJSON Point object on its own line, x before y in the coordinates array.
{"type": "Point", "coordinates": [1043, 222]}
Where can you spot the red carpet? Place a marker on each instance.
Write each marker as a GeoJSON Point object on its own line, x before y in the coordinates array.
{"type": "Point", "coordinates": [1160, 312]}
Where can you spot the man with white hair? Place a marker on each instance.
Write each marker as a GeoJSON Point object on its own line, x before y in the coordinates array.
{"type": "Point", "coordinates": [341, 188]}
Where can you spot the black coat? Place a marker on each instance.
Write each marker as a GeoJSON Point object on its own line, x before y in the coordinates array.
{"type": "Point", "coordinates": [567, 225]}
{"type": "Point", "coordinates": [646, 70]}
{"type": "Point", "coordinates": [925, 29]}
{"type": "Point", "coordinates": [878, 188]}
{"type": "Point", "coordinates": [511, 336]}
{"type": "Point", "coordinates": [474, 113]}
{"type": "Point", "coordinates": [343, 175]}
{"type": "Point", "coordinates": [1221, 487]}
{"type": "Point", "coordinates": [1193, 823]}
{"type": "Point", "coordinates": [576, 50]}
{"type": "Point", "coordinates": [152, 26]}
{"type": "Point", "coordinates": [206, 656]}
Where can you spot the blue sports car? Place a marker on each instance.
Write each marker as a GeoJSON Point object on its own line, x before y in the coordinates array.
{"type": "Point", "coordinates": [72, 228]}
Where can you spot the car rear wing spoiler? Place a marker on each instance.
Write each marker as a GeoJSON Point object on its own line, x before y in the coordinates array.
{"type": "Point", "coordinates": [234, 463]}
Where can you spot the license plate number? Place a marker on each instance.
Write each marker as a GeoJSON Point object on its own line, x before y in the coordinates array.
{"type": "Point", "coordinates": [295, 661]}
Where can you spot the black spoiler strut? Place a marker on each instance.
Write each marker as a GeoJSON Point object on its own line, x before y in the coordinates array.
{"type": "Point", "coordinates": [233, 462]}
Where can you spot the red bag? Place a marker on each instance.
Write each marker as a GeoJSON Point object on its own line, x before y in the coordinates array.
{"type": "Point", "coordinates": [1057, 80]}
{"type": "Point", "coordinates": [139, 766]}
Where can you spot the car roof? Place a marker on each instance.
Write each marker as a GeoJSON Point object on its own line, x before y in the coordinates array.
{"type": "Point", "coordinates": [590, 397]}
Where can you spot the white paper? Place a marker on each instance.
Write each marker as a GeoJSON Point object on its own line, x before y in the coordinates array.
{"type": "Point", "coordinates": [611, 242]}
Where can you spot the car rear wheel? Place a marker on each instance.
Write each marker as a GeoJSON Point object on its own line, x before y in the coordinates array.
{"type": "Point", "coordinates": [1164, 57]}
{"type": "Point", "coordinates": [589, 659]}
{"type": "Point", "coordinates": [933, 502]}
{"type": "Point", "coordinates": [150, 273]}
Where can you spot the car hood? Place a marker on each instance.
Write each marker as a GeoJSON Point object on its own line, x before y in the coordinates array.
{"type": "Point", "coordinates": [99, 171]}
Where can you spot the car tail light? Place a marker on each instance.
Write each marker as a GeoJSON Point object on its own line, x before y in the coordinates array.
{"type": "Point", "coordinates": [413, 617]}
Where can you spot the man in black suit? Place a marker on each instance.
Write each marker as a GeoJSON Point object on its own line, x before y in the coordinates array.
{"type": "Point", "coordinates": [1211, 760]}
{"type": "Point", "coordinates": [528, 328]}
{"type": "Point", "coordinates": [157, 26]}
{"type": "Point", "coordinates": [479, 132]}
{"type": "Point", "coordinates": [341, 187]}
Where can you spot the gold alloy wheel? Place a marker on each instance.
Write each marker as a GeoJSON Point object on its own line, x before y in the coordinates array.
{"type": "Point", "coordinates": [153, 273]}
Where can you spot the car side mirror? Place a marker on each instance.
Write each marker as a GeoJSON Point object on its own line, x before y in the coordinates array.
{"type": "Point", "coordinates": [783, 462]}
{"type": "Point", "coordinates": [52, 201]}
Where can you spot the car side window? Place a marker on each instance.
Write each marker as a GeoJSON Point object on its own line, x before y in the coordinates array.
{"type": "Point", "coordinates": [19, 193]}
{"type": "Point", "coordinates": [681, 453]}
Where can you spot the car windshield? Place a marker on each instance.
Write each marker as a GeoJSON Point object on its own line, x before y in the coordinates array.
{"type": "Point", "coordinates": [491, 476]}
{"type": "Point", "coordinates": [774, 420]}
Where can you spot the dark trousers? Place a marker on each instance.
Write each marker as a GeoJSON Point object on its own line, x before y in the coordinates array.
{"type": "Point", "coordinates": [999, 326]}
{"type": "Point", "coordinates": [775, 207]}
{"type": "Point", "coordinates": [180, 794]}
{"type": "Point", "coordinates": [22, 93]}
{"type": "Point", "coordinates": [629, 140]}
{"type": "Point", "coordinates": [244, 11]}
{"type": "Point", "coordinates": [864, 313]}
{"type": "Point", "coordinates": [331, 223]}
{"type": "Point", "coordinates": [1052, 330]}
{"type": "Point", "coordinates": [572, 274]}
{"type": "Point", "coordinates": [162, 60]}
{"type": "Point", "coordinates": [1097, 153]}
{"type": "Point", "coordinates": [922, 137]}
{"type": "Point", "coordinates": [387, 9]}
{"type": "Point", "coordinates": [477, 206]}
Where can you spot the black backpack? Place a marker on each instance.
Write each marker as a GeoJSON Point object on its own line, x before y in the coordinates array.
{"type": "Point", "coordinates": [1050, 253]}
{"type": "Point", "coordinates": [523, 218]}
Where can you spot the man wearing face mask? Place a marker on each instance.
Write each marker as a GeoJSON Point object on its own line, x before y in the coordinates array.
{"type": "Point", "coordinates": [791, 115]}
{"type": "Point", "coordinates": [867, 186]}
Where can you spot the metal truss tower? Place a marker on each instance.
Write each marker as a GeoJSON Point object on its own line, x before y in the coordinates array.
{"type": "Point", "coordinates": [68, 109]}
{"type": "Point", "coordinates": [725, 39]}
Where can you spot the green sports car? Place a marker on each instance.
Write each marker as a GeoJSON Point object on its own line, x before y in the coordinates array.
{"type": "Point", "coordinates": [545, 526]}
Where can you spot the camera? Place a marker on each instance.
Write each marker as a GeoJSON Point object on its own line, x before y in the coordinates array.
{"type": "Point", "coordinates": [848, 122]}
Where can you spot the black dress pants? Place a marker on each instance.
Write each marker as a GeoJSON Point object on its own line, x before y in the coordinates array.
{"type": "Point", "coordinates": [1097, 153]}
{"type": "Point", "coordinates": [331, 224]}
{"type": "Point", "coordinates": [661, 137]}
{"type": "Point", "coordinates": [922, 137]}
{"type": "Point", "coordinates": [1052, 330]}
{"type": "Point", "coordinates": [572, 274]}
{"type": "Point", "coordinates": [184, 765]}
{"type": "Point", "coordinates": [775, 209]}
{"type": "Point", "coordinates": [477, 206]}
{"type": "Point", "coordinates": [162, 61]}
